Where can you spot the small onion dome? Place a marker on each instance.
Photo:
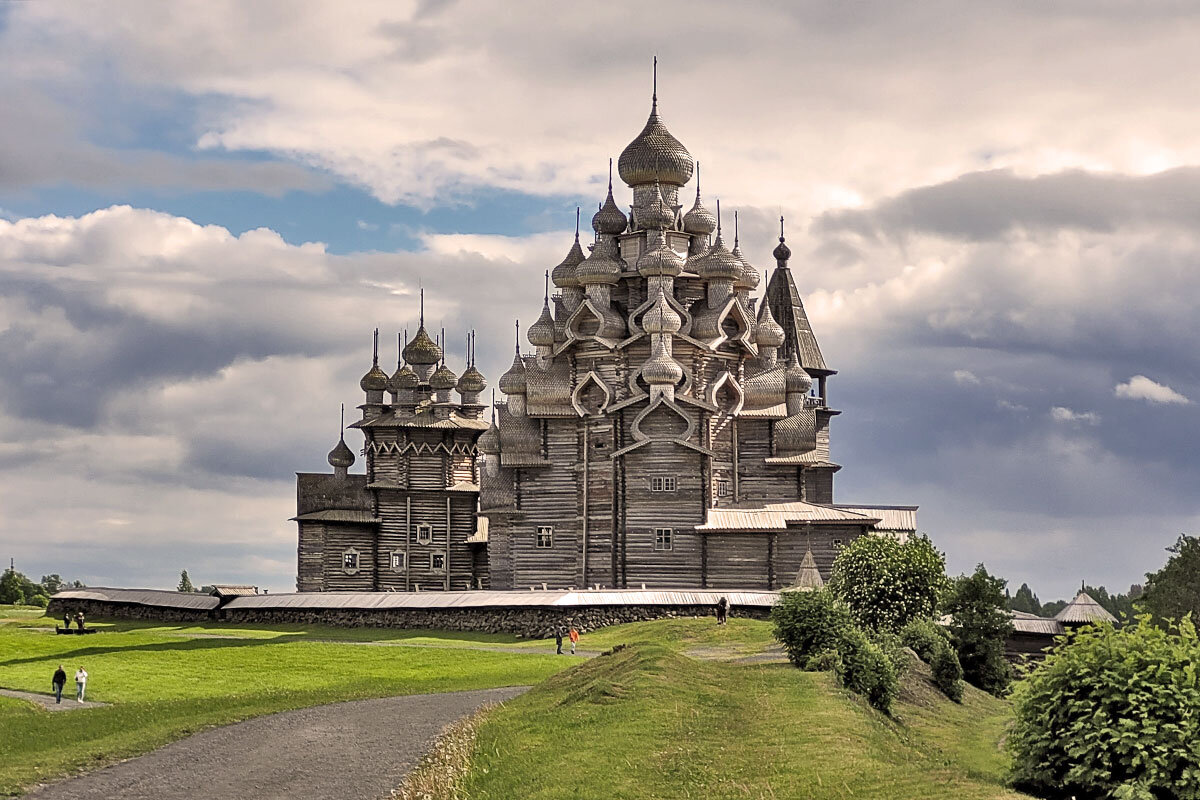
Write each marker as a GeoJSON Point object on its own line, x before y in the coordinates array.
{"type": "Point", "coordinates": [660, 260]}
{"type": "Point", "coordinates": [610, 219]}
{"type": "Point", "coordinates": [489, 442]}
{"type": "Point", "coordinates": [661, 318]}
{"type": "Point", "coordinates": [797, 379]}
{"type": "Point", "coordinates": [699, 220]}
{"type": "Point", "coordinates": [541, 333]}
{"type": "Point", "coordinates": [422, 350]}
{"type": "Point", "coordinates": [513, 381]}
{"type": "Point", "coordinates": [404, 379]}
{"type": "Point", "coordinates": [599, 267]}
{"type": "Point", "coordinates": [341, 455]}
{"type": "Point", "coordinates": [443, 379]}
{"type": "Point", "coordinates": [655, 155]}
{"type": "Point", "coordinates": [657, 214]}
{"type": "Point", "coordinates": [471, 381]}
{"type": "Point", "coordinates": [662, 370]}
{"type": "Point", "coordinates": [782, 252]}
{"type": "Point", "coordinates": [770, 332]}
{"type": "Point", "coordinates": [749, 278]}
{"type": "Point", "coordinates": [374, 381]}
{"type": "Point", "coordinates": [718, 264]}
{"type": "Point", "coordinates": [564, 274]}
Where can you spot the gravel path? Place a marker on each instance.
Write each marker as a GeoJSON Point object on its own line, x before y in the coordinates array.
{"type": "Point", "coordinates": [46, 701]}
{"type": "Point", "coordinates": [346, 751]}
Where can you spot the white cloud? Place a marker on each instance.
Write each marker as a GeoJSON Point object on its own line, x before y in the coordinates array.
{"type": "Point", "coordinates": [1064, 414]}
{"type": "Point", "coordinates": [964, 377]}
{"type": "Point", "coordinates": [1139, 387]}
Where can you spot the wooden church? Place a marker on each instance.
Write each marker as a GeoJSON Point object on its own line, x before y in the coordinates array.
{"type": "Point", "coordinates": [669, 428]}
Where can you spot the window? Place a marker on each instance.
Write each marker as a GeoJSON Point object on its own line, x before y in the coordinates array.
{"type": "Point", "coordinates": [837, 544]}
{"type": "Point", "coordinates": [663, 538]}
{"type": "Point", "coordinates": [545, 536]}
{"type": "Point", "coordinates": [724, 489]}
{"type": "Point", "coordinates": [663, 484]}
{"type": "Point", "coordinates": [397, 560]}
{"type": "Point", "coordinates": [424, 534]}
{"type": "Point", "coordinates": [437, 561]}
{"type": "Point", "coordinates": [350, 561]}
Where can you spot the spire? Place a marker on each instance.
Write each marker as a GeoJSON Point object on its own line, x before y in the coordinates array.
{"type": "Point", "coordinates": [546, 297]}
{"type": "Point", "coordinates": [400, 337]}
{"type": "Point", "coordinates": [654, 89]}
{"type": "Point", "coordinates": [375, 349]}
{"type": "Point", "coordinates": [518, 345]}
{"type": "Point", "coordinates": [782, 252]}
{"type": "Point", "coordinates": [718, 218]}
{"type": "Point", "coordinates": [735, 229]}
{"type": "Point", "coordinates": [697, 181]}
{"type": "Point", "coordinates": [422, 307]}
{"type": "Point", "coordinates": [577, 208]}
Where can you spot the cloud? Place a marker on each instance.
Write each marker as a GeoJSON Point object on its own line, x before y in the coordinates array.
{"type": "Point", "coordinates": [1064, 414]}
{"type": "Point", "coordinates": [1139, 387]}
{"type": "Point", "coordinates": [964, 377]}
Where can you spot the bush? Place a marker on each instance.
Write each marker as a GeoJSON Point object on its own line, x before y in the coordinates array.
{"type": "Point", "coordinates": [1112, 713]}
{"type": "Point", "coordinates": [893, 649]}
{"type": "Point", "coordinates": [865, 669]}
{"type": "Point", "coordinates": [886, 583]}
{"type": "Point", "coordinates": [809, 623]}
{"type": "Point", "coordinates": [979, 627]}
{"type": "Point", "coordinates": [931, 643]}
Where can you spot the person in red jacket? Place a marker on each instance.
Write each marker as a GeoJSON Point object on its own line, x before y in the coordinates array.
{"type": "Point", "coordinates": [574, 637]}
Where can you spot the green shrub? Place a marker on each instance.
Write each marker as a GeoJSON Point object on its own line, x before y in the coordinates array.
{"type": "Point", "coordinates": [865, 669]}
{"type": "Point", "coordinates": [893, 649]}
{"type": "Point", "coordinates": [1112, 714]}
{"type": "Point", "coordinates": [827, 661]}
{"type": "Point", "coordinates": [979, 626]}
{"type": "Point", "coordinates": [931, 643]}
{"type": "Point", "coordinates": [809, 623]}
{"type": "Point", "coordinates": [886, 583]}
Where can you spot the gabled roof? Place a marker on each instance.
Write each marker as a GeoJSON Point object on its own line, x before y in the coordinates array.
{"type": "Point", "coordinates": [233, 590]}
{"type": "Point", "coordinates": [1084, 609]}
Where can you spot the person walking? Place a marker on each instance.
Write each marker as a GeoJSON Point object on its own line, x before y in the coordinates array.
{"type": "Point", "coordinates": [558, 636]}
{"type": "Point", "coordinates": [722, 610]}
{"type": "Point", "coordinates": [66, 620]}
{"type": "Point", "coordinates": [574, 637]}
{"type": "Point", "coordinates": [58, 682]}
{"type": "Point", "coordinates": [81, 677]}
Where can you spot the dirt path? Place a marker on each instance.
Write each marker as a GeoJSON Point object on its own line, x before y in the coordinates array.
{"type": "Point", "coordinates": [346, 751]}
{"type": "Point", "coordinates": [46, 701]}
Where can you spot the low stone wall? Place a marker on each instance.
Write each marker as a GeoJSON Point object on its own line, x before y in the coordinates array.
{"type": "Point", "coordinates": [106, 609]}
{"type": "Point", "coordinates": [526, 621]}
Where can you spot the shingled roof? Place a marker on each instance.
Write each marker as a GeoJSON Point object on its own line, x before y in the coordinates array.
{"type": "Point", "coordinates": [1083, 609]}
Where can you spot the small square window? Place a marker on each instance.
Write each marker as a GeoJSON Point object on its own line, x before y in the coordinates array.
{"type": "Point", "coordinates": [837, 544]}
{"type": "Point", "coordinates": [724, 489]}
{"type": "Point", "coordinates": [350, 561]}
{"type": "Point", "coordinates": [545, 536]}
{"type": "Point", "coordinates": [437, 561]}
{"type": "Point", "coordinates": [424, 534]}
{"type": "Point", "coordinates": [397, 560]}
{"type": "Point", "coordinates": [663, 484]}
{"type": "Point", "coordinates": [663, 538]}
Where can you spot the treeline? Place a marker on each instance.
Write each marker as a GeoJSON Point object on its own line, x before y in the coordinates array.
{"type": "Point", "coordinates": [17, 589]}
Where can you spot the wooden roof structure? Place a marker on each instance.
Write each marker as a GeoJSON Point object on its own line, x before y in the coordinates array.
{"type": "Point", "coordinates": [1082, 610]}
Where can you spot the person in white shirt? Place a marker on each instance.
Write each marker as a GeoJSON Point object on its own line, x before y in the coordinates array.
{"type": "Point", "coordinates": [80, 683]}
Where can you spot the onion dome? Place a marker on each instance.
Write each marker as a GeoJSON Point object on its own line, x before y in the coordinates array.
{"type": "Point", "coordinates": [662, 370]}
{"type": "Point", "coordinates": [376, 380]}
{"type": "Point", "coordinates": [660, 260]}
{"type": "Point", "coordinates": [718, 264]}
{"type": "Point", "coordinates": [797, 380]}
{"type": "Point", "coordinates": [489, 442]}
{"type": "Point", "coordinates": [564, 274]}
{"type": "Point", "coordinates": [781, 252]}
{"type": "Point", "coordinates": [472, 380]}
{"type": "Point", "coordinates": [655, 155]}
{"type": "Point", "coordinates": [657, 214]}
{"type": "Point", "coordinates": [341, 455]}
{"type": "Point", "coordinates": [699, 221]}
{"type": "Point", "coordinates": [599, 267]}
{"type": "Point", "coordinates": [404, 379]}
{"type": "Point", "coordinates": [513, 381]}
{"type": "Point", "coordinates": [541, 333]}
{"type": "Point", "coordinates": [769, 332]}
{"type": "Point", "coordinates": [443, 380]}
{"type": "Point", "coordinates": [610, 219]}
{"type": "Point", "coordinates": [422, 350]}
{"type": "Point", "coordinates": [661, 318]}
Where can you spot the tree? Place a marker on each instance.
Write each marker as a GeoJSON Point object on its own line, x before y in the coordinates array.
{"type": "Point", "coordinates": [53, 583]}
{"type": "Point", "coordinates": [17, 589]}
{"type": "Point", "coordinates": [885, 583]}
{"type": "Point", "coordinates": [1111, 713]}
{"type": "Point", "coordinates": [1174, 590]}
{"type": "Point", "coordinates": [980, 623]}
{"type": "Point", "coordinates": [185, 583]}
{"type": "Point", "coordinates": [1025, 600]}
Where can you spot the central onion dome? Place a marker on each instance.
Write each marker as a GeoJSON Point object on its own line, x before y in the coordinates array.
{"type": "Point", "coordinates": [657, 214]}
{"type": "Point", "coordinates": [655, 154]}
{"type": "Point", "coordinates": [661, 318]}
{"type": "Point", "coordinates": [422, 350]}
{"type": "Point", "coordinates": [443, 380]}
{"type": "Point", "coordinates": [341, 455]}
{"type": "Point", "coordinates": [661, 369]}
{"type": "Point", "coordinates": [797, 380]}
{"type": "Point", "coordinates": [660, 261]}
{"type": "Point", "coordinates": [472, 381]}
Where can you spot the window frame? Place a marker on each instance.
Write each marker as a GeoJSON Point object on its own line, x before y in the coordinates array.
{"type": "Point", "coordinates": [427, 529]}
{"type": "Point", "coordinates": [664, 540]}
{"type": "Point", "coordinates": [548, 532]}
{"type": "Point", "coordinates": [724, 487]}
{"type": "Point", "coordinates": [664, 483]}
{"type": "Point", "coordinates": [398, 556]}
{"type": "Point", "coordinates": [351, 561]}
{"type": "Point", "coordinates": [433, 559]}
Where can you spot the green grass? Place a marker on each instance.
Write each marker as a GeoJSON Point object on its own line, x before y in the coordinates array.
{"type": "Point", "coordinates": [164, 681]}
{"type": "Point", "coordinates": [649, 722]}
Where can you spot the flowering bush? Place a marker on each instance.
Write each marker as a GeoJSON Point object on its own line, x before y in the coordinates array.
{"type": "Point", "coordinates": [886, 583]}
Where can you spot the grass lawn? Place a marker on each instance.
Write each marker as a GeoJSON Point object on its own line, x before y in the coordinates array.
{"type": "Point", "coordinates": [649, 722]}
{"type": "Point", "coordinates": [167, 681]}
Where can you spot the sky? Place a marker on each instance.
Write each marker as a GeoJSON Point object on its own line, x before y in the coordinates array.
{"type": "Point", "coordinates": [206, 208]}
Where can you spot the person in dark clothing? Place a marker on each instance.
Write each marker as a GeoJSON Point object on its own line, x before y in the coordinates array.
{"type": "Point", "coordinates": [722, 610]}
{"type": "Point", "coordinates": [67, 620]}
{"type": "Point", "coordinates": [558, 637]}
{"type": "Point", "coordinates": [58, 682]}
{"type": "Point", "coordinates": [79, 620]}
